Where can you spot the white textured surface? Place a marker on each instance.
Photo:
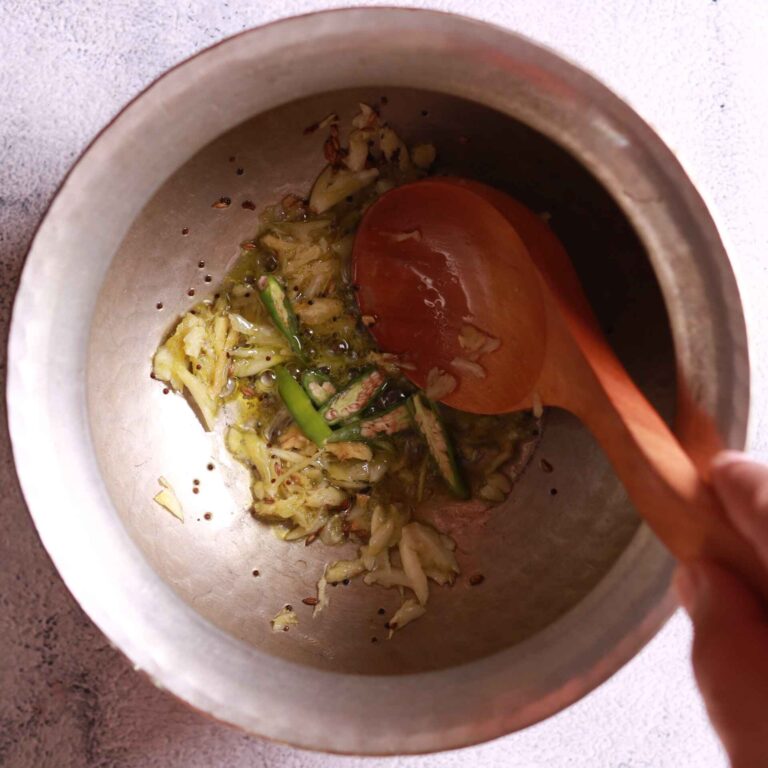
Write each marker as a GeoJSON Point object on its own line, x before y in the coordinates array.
{"type": "Point", "coordinates": [695, 69]}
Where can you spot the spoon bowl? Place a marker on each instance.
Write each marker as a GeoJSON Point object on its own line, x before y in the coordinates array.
{"type": "Point", "coordinates": [415, 252]}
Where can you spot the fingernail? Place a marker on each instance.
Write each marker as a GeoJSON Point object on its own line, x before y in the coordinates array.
{"type": "Point", "coordinates": [688, 585]}
{"type": "Point", "coordinates": [724, 458]}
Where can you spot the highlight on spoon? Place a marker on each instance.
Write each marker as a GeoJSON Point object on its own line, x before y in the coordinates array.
{"type": "Point", "coordinates": [434, 262]}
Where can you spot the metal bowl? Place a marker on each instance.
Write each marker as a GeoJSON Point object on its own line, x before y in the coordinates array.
{"type": "Point", "coordinates": [574, 584]}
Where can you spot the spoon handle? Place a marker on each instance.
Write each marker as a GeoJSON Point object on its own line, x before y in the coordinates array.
{"type": "Point", "coordinates": [660, 477]}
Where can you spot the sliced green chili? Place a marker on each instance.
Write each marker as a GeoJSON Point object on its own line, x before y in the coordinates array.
{"type": "Point", "coordinates": [348, 403]}
{"type": "Point", "coordinates": [310, 422]}
{"type": "Point", "coordinates": [389, 422]}
{"type": "Point", "coordinates": [318, 386]}
{"type": "Point", "coordinates": [427, 419]}
{"type": "Point", "coordinates": [280, 310]}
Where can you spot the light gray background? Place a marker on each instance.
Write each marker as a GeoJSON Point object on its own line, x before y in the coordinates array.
{"type": "Point", "coordinates": [695, 69]}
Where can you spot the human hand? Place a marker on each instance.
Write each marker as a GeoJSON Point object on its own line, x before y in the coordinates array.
{"type": "Point", "coordinates": [730, 645]}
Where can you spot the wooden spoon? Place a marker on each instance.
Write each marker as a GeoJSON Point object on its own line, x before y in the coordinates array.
{"type": "Point", "coordinates": [434, 256]}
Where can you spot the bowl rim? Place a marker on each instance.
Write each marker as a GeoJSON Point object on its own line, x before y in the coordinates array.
{"type": "Point", "coordinates": [130, 631]}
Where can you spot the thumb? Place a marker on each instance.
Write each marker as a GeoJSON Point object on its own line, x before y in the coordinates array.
{"type": "Point", "coordinates": [742, 485]}
{"type": "Point", "coordinates": [730, 657]}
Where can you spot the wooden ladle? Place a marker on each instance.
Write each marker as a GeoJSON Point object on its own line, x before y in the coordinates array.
{"type": "Point", "coordinates": [437, 255]}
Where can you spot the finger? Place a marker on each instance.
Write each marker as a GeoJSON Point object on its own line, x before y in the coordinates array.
{"type": "Point", "coordinates": [742, 485]}
{"type": "Point", "coordinates": [730, 657]}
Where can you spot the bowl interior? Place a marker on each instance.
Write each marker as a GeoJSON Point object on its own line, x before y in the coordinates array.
{"type": "Point", "coordinates": [541, 552]}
